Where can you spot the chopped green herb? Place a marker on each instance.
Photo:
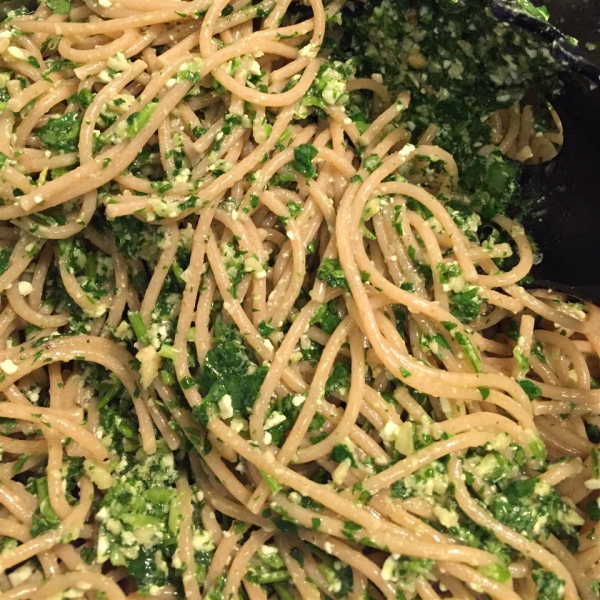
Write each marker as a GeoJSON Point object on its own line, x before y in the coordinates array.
{"type": "Point", "coordinates": [304, 154]}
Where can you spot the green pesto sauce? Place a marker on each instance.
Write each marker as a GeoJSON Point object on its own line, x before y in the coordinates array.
{"type": "Point", "coordinates": [459, 65]}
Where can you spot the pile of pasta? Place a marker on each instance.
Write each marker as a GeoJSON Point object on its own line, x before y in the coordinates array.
{"type": "Point", "coordinates": [254, 348]}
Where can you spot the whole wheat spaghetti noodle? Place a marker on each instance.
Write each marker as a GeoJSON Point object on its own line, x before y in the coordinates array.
{"type": "Point", "coordinates": [261, 336]}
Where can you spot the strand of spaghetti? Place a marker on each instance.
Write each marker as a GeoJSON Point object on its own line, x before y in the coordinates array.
{"type": "Point", "coordinates": [397, 539]}
{"type": "Point", "coordinates": [94, 110]}
{"type": "Point", "coordinates": [353, 558]}
{"type": "Point", "coordinates": [544, 310]}
{"type": "Point", "coordinates": [279, 303]}
{"type": "Point", "coordinates": [108, 26]}
{"type": "Point", "coordinates": [226, 477]}
{"type": "Point", "coordinates": [208, 28]}
{"type": "Point", "coordinates": [305, 588]}
{"type": "Point", "coordinates": [80, 580]}
{"type": "Point", "coordinates": [69, 556]}
{"type": "Point", "coordinates": [562, 408]}
{"type": "Point", "coordinates": [266, 462]}
{"type": "Point", "coordinates": [15, 530]}
{"type": "Point", "coordinates": [469, 382]}
{"type": "Point", "coordinates": [569, 394]}
{"type": "Point", "coordinates": [42, 416]}
{"type": "Point", "coordinates": [121, 278]}
{"type": "Point", "coordinates": [100, 53]}
{"type": "Point", "coordinates": [22, 309]}
{"type": "Point", "coordinates": [249, 238]}
{"type": "Point", "coordinates": [10, 469]}
{"type": "Point", "coordinates": [188, 301]}
{"type": "Point", "coordinates": [63, 349]}
{"type": "Point", "coordinates": [460, 243]}
{"type": "Point", "coordinates": [375, 128]}
{"type": "Point", "coordinates": [234, 510]}
{"type": "Point", "coordinates": [352, 408]}
{"type": "Point", "coordinates": [569, 349]}
{"type": "Point", "coordinates": [524, 250]}
{"type": "Point", "coordinates": [239, 564]}
{"type": "Point", "coordinates": [185, 548]}
{"type": "Point", "coordinates": [410, 464]}
{"type": "Point", "coordinates": [362, 83]}
{"type": "Point", "coordinates": [209, 521]}
{"type": "Point", "coordinates": [314, 574]}
{"type": "Point", "coordinates": [277, 162]}
{"type": "Point", "coordinates": [316, 390]}
{"type": "Point", "coordinates": [56, 493]}
{"type": "Point", "coordinates": [477, 581]}
{"type": "Point", "coordinates": [13, 505]}
{"type": "Point", "coordinates": [434, 253]}
{"type": "Point", "coordinates": [23, 253]}
{"type": "Point", "coordinates": [222, 557]}
{"type": "Point", "coordinates": [558, 440]}
{"type": "Point", "coordinates": [76, 222]}
{"type": "Point", "coordinates": [90, 306]}
{"type": "Point", "coordinates": [523, 434]}
{"type": "Point", "coordinates": [39, 277]}
{"type": "Point", "coordinates": [232, 305]}
{"type": "Point", "coordinates": [68, 527]}
{"type": "Point", "coordinates": [128, 6]}
{"type": "Point", "coordinates": [366, 443]}
{"type": "Point", "coordinates": [425, 591]}
{"type": "Point", "coordinates": [145, 424]}
{"type": "Point", "coordinates": [170, 244]}
{"type": "Point", "coordinates": [513, 128]}
{"type": "Point", "coordinates": [60, 92]}
{"type": "Point", "coordinates": [17, 446]}
{"type": "Point", "coordinates": [309, 406]}
{"type": "Point", "coordinates": [282, 99]}
{"type": "Point", "coordinates": [396, 138]}
{"type": "Point", "coordinates": [560, 472]}
{"type": "Point", "coordinates": [278, 364]}
{"type": "Point", "coordinates": [18, 102]}
{"type": "Point", "coordinates": [13, 394]}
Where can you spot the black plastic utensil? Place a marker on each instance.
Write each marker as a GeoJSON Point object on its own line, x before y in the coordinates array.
{"type": "Point", "coordinates": [10, 5]}
{"type": "Point", "coordinates": [565, 218]}
{"type": "Point", "coordinates": [561, 46]}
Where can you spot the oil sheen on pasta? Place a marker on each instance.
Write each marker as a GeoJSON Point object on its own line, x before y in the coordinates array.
{"type": "Point", "coordinates": [263, 333]}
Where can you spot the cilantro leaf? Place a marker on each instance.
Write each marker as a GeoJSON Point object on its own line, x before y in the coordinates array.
{"type": "Point", "coordinates": [137, 120]}
{"type": "Point", "coordinates": [339, 378]}
{"type": "Point", "coordinates": [465, 304]}
{"type": "Point", "coordinates": [60, 7]}
{"type": "Point", "coordinates": [531, 389]}
{"type": "Point", "coordinates": [331, 272]}
{"type": "Point", "coordinates": [61, 133]}
{"type": "Point", "coordinates": [548, 585]}
{"type": "Point", "coordinates": [327, 317]}
{"type": "Point", "coordinates": [340, 453]}
{"type": "Point", "coordinates": [228, 369]}
{"type": "Point", "coordinates": [303, 157]}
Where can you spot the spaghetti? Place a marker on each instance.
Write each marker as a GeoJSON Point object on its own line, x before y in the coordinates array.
{"type": "Point", "coordinates": [253, 345]}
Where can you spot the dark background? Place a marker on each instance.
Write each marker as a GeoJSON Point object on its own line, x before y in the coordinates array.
{"type": "Point", "coordinates": [579, 18]}
{"type": "Point", "coordinates": [569, 232]}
